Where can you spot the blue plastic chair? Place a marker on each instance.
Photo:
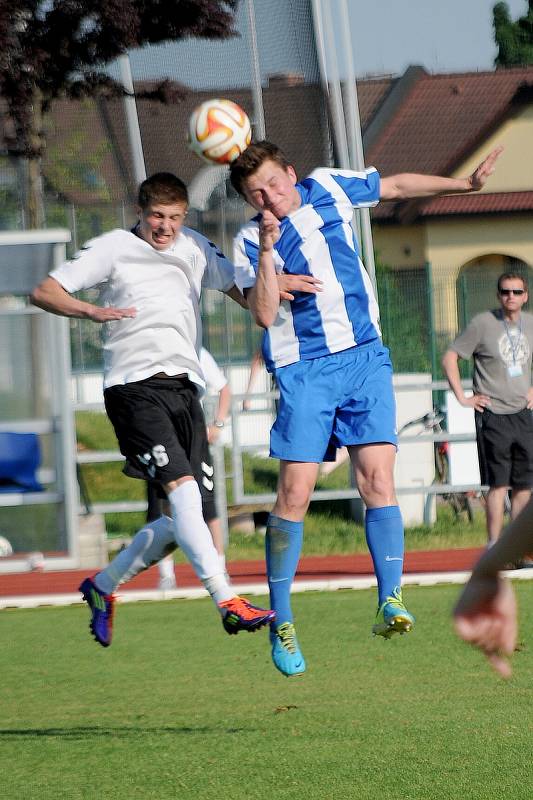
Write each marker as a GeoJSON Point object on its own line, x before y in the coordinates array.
{"type": "Point", "coordinates": [20, 457]}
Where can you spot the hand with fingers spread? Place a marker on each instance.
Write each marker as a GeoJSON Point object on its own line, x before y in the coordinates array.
{"type": "Point", "coordinates": [486, 613]}
{"type": "Point", "coordinates": [288, 284]}
{"type": "Point", "coordinates": [109, 313]}
{"type": "Point", "coordinates": [484, 171]}
{"type": "Point", "coordinates": [486, 617]}
{"type": "Point", "coordinates": [479, 402]}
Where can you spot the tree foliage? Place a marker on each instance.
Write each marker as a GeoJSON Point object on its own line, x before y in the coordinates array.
{"type": "Point", "coordinates": [514, 39]}
{"type": "Point", "coordinates": [59, 48]}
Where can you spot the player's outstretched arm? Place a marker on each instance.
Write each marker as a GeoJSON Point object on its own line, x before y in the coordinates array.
{"type": "Point", "coordinates": [486, 614]}
{"type": "Point", "coordinates": [409, 185]}
{"type": "Point", "coordinates": [51, 296]}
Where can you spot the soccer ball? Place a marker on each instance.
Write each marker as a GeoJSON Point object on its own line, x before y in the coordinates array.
{"type": "Point", "coordinates": [5, 547]}
{"type": "Point", "coordinates": [219, 131]}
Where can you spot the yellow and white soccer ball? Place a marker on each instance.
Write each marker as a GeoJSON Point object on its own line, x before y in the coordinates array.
{"type": "Point", "coordinates": [219, 131]}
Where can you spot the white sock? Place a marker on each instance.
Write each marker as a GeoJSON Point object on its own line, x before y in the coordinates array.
{"type": "Point", "coordinates": [193, 536]}
{"type": "Point", "coordinates": [166, 568]}
{"type": "Point", "coordinates": [150, 544]}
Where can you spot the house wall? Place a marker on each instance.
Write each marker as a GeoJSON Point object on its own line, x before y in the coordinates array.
{"type": "Point", "coordinates": [448, 243]}
{"type": "Point", "coordinates": [451, 243]}
{"type": "Point", "coordinates": [400, 245]}
{"type": "Point", "coordinates": [514, 169]}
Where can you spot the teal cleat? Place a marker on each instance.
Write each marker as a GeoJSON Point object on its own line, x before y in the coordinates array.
{"type": "Point", "coordinates": [393, 617]}
{"type": "Point", "coordinates": [286, 654]}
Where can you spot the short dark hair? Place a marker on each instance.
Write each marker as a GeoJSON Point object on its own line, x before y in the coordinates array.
{"type": "Point", "coordinates": [164, 188]}
{"type": "Point", "coordinates": [252, 158]}
{"type": "Point", "coordinates": [514, 276]}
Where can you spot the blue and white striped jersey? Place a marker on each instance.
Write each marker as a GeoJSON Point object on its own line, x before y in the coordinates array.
{"type": "Point", "coordinates": [318, 239]}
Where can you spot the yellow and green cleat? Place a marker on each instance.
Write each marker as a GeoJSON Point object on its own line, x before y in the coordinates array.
{"type": "Point", "coordinates": [393, 617]}
{"type": "Point", "coordinates": [286, 653]}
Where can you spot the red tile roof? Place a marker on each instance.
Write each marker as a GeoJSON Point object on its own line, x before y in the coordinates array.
{"type": "Point", "coordinates": [486, 203]}
{"type": "Point", "coordinates": [438, 123]}
{"type": "Point", "coordinates": [443, 118]}
{"type": "Point", "coordinates": [370, 95]}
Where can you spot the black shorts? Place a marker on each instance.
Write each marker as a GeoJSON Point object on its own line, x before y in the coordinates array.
{"type": "Point", "coordinates": [160, 427]}
{"type": "Point", "coordinates": [505, 448]}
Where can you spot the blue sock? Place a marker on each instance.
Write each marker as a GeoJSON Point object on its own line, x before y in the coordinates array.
{"type": "Point", "coordinates": [283, 545]}
{"type": "Point", "coordinates": [384, 536]}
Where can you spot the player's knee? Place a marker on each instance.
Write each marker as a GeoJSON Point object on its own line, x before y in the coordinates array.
{"type": "Point", "coordinates": [155, 541]}
{"type": "Point", "coordinates": [377, 488]}
{"type": "Point", "coordinates": [293, 499]}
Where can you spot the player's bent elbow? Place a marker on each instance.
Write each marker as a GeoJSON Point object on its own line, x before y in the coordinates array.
{"type": "Point", "coordinates": [43, 292]}
{"type": "Point", "coordinates": [264, 310]}
{"type": "Point", "coordinates": [262, 321]}
{"type": "Point", "coordinates": [263, 316]}
{"type": "Point", "coordinates": [37, 297]}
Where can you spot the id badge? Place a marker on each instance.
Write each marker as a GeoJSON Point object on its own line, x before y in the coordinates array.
{"type": "Point", "coordinates": [514, 370]}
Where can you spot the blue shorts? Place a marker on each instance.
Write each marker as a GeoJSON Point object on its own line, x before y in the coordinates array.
{"type": "Point", "coordinates": [341, 399]}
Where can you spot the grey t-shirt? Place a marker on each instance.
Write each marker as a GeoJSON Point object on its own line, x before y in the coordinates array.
{"type": "Point", "coordinates": [502, 358]}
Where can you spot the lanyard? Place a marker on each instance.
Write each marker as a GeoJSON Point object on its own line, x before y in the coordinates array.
{"type": "Point", "coordinates": [513, 343]}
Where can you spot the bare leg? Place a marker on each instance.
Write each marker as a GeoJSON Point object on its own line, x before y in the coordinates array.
{"type": "Point", "coordinates": [373, 466]}
{"type": "Point", "coordinates": [494, 511]}
{"type": "Point", "coordinates": [519, 500]}
{"type": "Point", "coordinates": [296, 483]}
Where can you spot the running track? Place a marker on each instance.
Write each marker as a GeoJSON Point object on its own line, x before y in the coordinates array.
{"type": "Point", "coordinates": [311, 569]}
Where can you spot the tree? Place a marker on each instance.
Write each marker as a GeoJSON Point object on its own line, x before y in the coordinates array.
{"type": "Point", "coordinates": [52, 49]}
{"type": "Point", "coordinates": [514, 39]}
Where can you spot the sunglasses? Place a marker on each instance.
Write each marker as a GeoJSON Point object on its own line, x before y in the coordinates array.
{"type": "Point", "coordinates": [507, 292]}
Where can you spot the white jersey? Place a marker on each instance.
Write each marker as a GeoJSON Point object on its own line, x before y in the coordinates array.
{"type": "Point", "coordinates": [318, 239]}
{"type": "Point", "coordinates": [215, 380]}
{"type": "Point", "coordinates": [163, 286]}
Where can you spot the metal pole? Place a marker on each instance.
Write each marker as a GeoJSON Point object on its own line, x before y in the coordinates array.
{"type": "Point", "coordinates": [132, 119]}
{"type": "Point", "coordinates": [66, 446]}
{"type": "Point", "coordinates": [257, 92]}
{"type": "Point", "coordinates": [221, 501]}
{"type": "Point", "coordinates": [431, 313]}
{"type": "Point", "coordinates": [339, 125]}
{"type": "Point", "coordinates": [319, 39]}
{"type": "Point", "coordinates": [355, 141]}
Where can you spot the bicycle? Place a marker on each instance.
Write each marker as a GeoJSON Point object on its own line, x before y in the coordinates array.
{"type": "Point", "coordinates": [460, 502]}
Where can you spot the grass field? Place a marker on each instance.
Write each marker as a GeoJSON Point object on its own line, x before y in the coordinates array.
{"type": "Point", "coordinates": [177, 710]}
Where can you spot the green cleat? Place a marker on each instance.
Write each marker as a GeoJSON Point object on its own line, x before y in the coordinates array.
{"type": "Point", "coordinates": [393, 617]}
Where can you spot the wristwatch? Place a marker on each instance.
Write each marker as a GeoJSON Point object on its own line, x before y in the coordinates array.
{"type": "Point", "coordinates": [218, 423]}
